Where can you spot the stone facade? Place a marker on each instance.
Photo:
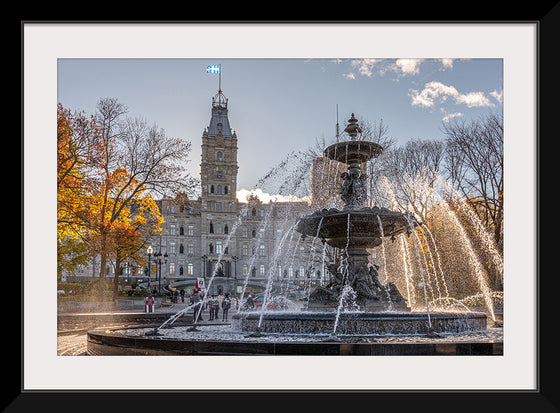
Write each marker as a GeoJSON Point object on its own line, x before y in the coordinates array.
{"type": "Point", "coordinates": [217, 230]}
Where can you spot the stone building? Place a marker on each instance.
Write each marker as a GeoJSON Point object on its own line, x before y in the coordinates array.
{"type": "Point", "coordinates": [240, 243]}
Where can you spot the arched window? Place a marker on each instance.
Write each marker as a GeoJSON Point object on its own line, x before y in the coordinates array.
{"type": "Point", "coordinates": [253, 234]}
{"type": "Point", "coordinates": [226, 189]}
{"type": "Point", "coordinates": [219, 155]}
{"type": "Point", "coordinates": [211, 248]}
{"type": "Point", "coordinates": [181, 231]}
{"type": "Point", "coordinates": [181, 270]}
{"type": "Point", "coordinates": [211, 227]}
{"type": "Point", "coordinates": [181, 249]}
{"type": "Point", "coordinates": [211, 189]}
{"type": "Point", "coordinates": [226, 229]}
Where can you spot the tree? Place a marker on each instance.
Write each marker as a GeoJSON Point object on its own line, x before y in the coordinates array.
{"type": "Point", "coordinates": [128, 162]}
{"type": "Point", "coordinates": [475, 166]}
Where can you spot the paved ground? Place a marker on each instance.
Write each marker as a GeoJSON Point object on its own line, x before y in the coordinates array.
{"type": "Point", "coordinates": [72, 337]}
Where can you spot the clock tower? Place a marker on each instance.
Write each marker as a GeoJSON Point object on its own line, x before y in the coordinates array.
{"type": "Point", "coordinates": [218, 167]}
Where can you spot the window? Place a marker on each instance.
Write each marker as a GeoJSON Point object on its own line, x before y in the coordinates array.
{"type": "Point", "coordinates": [245, 231]}
{"type": "Point", "coordinates": [261, 249]}
{"type": "Point", "coordinates": [290, 272]}
{"type": "Point", "coordinates": [245, 270]}
{"type": "Point", "coordinates": [245, 250]}
{"type": "Point", "coordinates": [245, 212]}
{"type": "Point", "coordinates": [262, 212]}
{"type": "Point", "coordinates": [181, 270]}
{"type": "Point", "coordinates": [190, 230]}
{"type": "Point", "coordinates": [211, 189]}
{"type": "Point", "coordinates": [301, 272]}
{"type": "Point", "coordinates": [172, 229]}
{"type": "Point", "coordinates": [253, 234]}
{"type": "Point", "coordinates": [172, 268]}
{"type": "Point", "coordinates": [211, 227]}
{"type": "Point", "coordinates": [218, 206]}
{"type": "Point", "coordinates": [226, 229]}
{"type": "Point", "coordinates": [181, 230]}
{"type": "Point", "coordinates": [190, 248]}
{"type": "Point", "coordinates": [226, 189]}
{"type": "Point", "coordinates": [219, 154]}
{"type": "Point", "coordinates": [181, 249]}
{"type": "Point", "coordinates": [262, 270]}
{"type": "Point", "coordinates": [190, 269]}
{"type": "Point", "coordinates": [254, 212]}
{"type": "Point", "coordinates": [219, 189]}
{"type": "Point", "coordinates": [218, 247]}
{"type": "Point", "coordinates": [218, 228]}
{"type": "Point", "coordinates": [172, 247]}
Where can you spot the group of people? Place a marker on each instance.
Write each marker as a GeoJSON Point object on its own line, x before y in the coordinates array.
{"type": "Point", "coordinates": [214, 304]}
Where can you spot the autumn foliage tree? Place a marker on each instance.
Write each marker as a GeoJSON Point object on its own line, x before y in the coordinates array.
{"type": "Point", "coordinates": [123, 164]}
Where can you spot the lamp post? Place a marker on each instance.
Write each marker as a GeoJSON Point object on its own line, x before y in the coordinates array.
{"type": "Point", "coordinates": [150, 251]}
{"type": "Point", "coordinates": [204, 258]}
{"type": "Point", "coordinates": [235, 258]}
{"type": "Point", "coordinates": [160, 261]}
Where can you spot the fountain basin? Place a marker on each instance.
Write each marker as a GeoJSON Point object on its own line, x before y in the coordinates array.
{"type": "Point", "coordinates": [361, 230]}
{"type": "Point", "coordinates": [359, 323]}
{"type": "Point", "coordinates": [353, 152]}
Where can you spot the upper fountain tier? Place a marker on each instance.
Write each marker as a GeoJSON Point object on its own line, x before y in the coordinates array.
{"type": "Point", "coordinates": [353, 152]}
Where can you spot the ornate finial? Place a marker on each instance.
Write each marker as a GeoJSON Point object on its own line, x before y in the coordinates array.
{"type": "Point", "coordinates": [353, 129]}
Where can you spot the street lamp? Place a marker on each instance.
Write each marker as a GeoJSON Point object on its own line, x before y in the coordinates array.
{"type": "Point", "coordinates": [160, 261]}
{"type": "Point", "coordinates": [150, 251]}
{"type": "Point", "coordinates": [204, 258]}
{"type": "Point", "coordinates": [235, 258]}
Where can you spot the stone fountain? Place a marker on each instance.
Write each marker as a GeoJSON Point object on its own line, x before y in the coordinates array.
{"type": "Point", "coordinates": [355, 302]}
{"type": "Point", "coordinates": [353, 230]}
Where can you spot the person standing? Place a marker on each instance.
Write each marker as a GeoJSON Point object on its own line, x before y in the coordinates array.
{"type": "Point", "coordinates": [214, 305]}
{"type": "Point", "coordinates": [226, 304]}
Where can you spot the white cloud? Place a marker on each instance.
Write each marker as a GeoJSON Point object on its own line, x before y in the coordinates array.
{"type": "Point", "coordinates": [408, 66]}
{"type": "Point", "coordinates": [498, 95]}
{"type": "Point", "coordinates": [437, 90]}
{"type": "Point", "coordinates": [450, 116]}
{"type": "Point", "coordinates": [446, 63]}
{"type": "Point", "coordinates": [243, 194]}
{"type": "Point", "coordinates": [349, 75]}
{"type": "Point", "coordinates": [365, 66]}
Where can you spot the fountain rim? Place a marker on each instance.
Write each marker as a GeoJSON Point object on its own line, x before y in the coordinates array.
{"type": "Point", "coordinates": [354, 151]}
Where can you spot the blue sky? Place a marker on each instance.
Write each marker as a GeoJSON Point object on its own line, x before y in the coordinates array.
{"type": "Point", "coordinates": [280, 105]}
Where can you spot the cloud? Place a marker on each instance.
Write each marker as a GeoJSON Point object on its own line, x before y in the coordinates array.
{"type": "Point", "coordinates": [450, 116]}
{"type": "Point", "coordinates": [365, 66]}
{"type": "Point", "coordinates": [349, 75]}
{"type": "Point", "coordinates": [446, 63]}
{"type": "Point", "coordinates": [408, 66]}
{"type": "Point", "coordinates": [438, 91]}
{"type": "Point", "coordinates": [498, 95]}
{"type": "Point", "coordinates": [243, 195]}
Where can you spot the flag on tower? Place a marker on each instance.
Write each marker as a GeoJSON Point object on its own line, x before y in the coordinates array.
{"type": "Point", "coordinates": [213, 69]}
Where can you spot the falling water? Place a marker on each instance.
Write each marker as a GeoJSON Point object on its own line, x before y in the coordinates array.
{"type": "Point", "coordinates": [254, 255]}
{"type": "Point", "coordinates": [312, 257]}
{"type": "Point", "coordinates": [475, 262]}
{"type": "Point", "coordinates": [271, 270]}
{"type": "Point", "coordinates": [346, 288]}
{"type": "Point", "coordinates": [407, 274]}
{"type": "Point", "coordinates": [383, 257]}
{"type": "Point", "coordinates": [415, 238]}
